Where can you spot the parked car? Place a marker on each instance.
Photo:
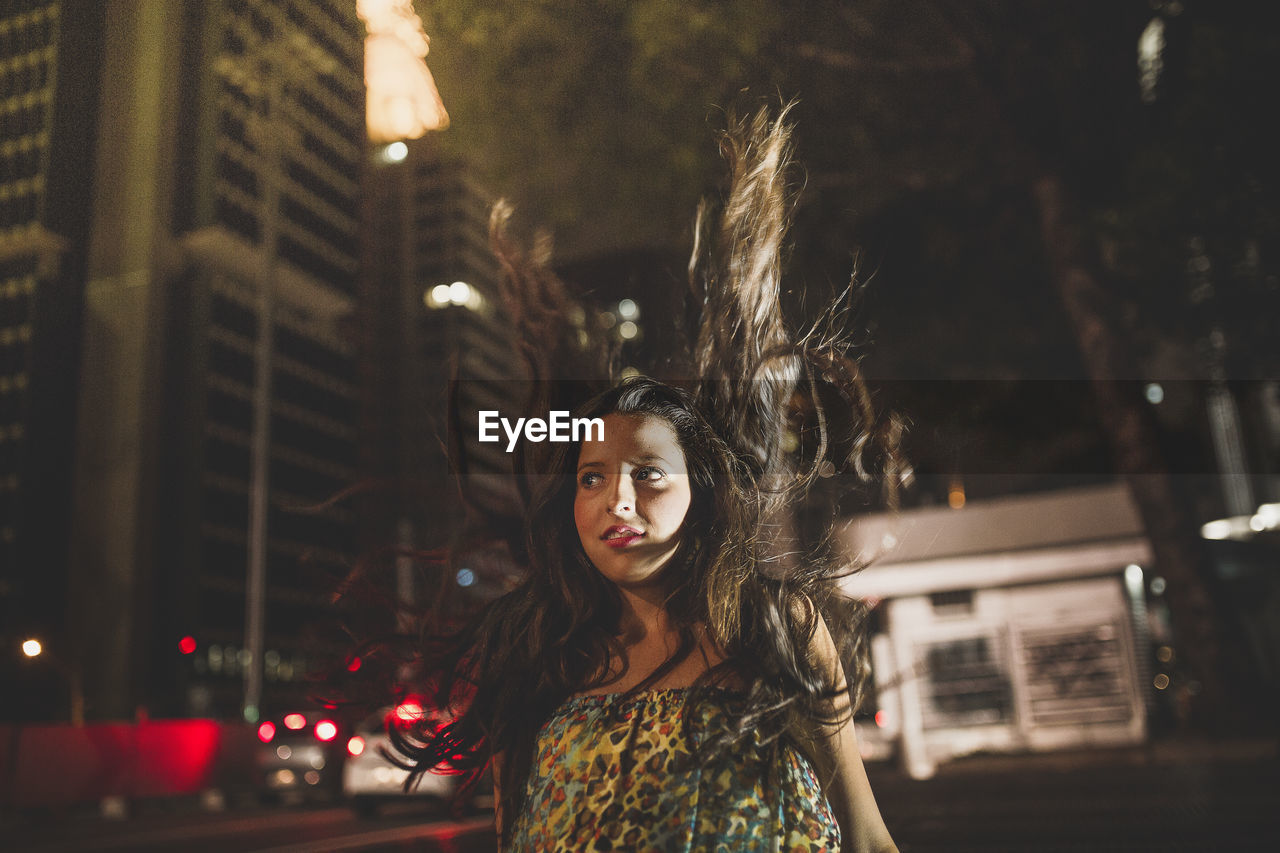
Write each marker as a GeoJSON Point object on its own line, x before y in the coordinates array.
{"type": "Point", "coordinates": [300, 755]}
{"type": "Point", "coordinates": [369, 779]}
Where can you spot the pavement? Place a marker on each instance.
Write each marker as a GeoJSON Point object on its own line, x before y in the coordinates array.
{"type": "Point", "coordinates": [1183, 795]}
{"type": "Point", "coordinates": [1186, 794]}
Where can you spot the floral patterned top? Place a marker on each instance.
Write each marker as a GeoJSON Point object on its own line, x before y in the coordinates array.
{"type": "Point", "coordinates": [612, 772]}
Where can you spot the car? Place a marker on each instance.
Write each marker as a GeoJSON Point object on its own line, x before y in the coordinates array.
{"type": "Point", "coordinates": [369, 779]}
{"type": "Point", "coordinates": [299, 756]}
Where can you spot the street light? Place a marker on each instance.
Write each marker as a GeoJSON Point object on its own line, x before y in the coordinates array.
{"type": "Point", "coordinates": [32, 649]}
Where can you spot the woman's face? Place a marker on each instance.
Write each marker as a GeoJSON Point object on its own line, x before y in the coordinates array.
{"type": "Point", "coordinates": [632, 497]}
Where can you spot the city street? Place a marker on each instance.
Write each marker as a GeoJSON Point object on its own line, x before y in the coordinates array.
{"type": "Point", "coordinates": [281, 830]}
{"type": "Point", "coordinates": [1166, 797]}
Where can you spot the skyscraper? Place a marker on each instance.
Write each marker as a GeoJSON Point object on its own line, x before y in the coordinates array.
{"type": "Point", "coordinates": [219, 245]}
{"type": "Point", "coordinates": [432, 313]}
{"type": "Point", "coordinates": [48, 114]}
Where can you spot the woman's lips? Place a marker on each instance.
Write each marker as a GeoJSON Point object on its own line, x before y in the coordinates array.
{"type": "Point", "coordinates": [620, 536]}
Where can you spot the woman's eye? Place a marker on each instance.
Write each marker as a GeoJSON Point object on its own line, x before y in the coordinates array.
{"type": "Point", "coordinates": [589, 479]}
{"type": "Point", "coordinates": [649, 474]}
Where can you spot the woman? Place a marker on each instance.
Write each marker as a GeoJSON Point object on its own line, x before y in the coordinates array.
{"type": "Point", "coordinates": [665, 677]}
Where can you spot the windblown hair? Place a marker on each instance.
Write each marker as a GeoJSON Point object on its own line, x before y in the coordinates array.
{"type": "Point", "coordinates": [739, 576]}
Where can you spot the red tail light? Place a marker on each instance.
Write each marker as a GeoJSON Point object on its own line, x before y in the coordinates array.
{"type": "Point", "coordinates": [326, 730]}
{"type": "Point", "coordinates": [355, 745]}
{"type": "Point", "coordinates": [408, 712]}
{"type": "Point", "coordinates": [266, 731]}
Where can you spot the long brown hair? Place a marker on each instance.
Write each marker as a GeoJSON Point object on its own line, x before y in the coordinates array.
{"type": "Point", "coordinates": [738, 574]}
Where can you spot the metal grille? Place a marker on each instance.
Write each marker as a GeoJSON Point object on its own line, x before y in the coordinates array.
{"type": "Point", "coordinates": [968, 683]}
{"type": "Point", "coordinates": [1076, 675]}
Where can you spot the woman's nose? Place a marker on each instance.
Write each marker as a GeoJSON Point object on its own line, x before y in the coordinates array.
{"type": "Point", "coordinates": [623, 499]}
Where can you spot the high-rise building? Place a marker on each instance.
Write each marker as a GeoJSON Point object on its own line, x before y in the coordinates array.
{"type": "Point", "coordinates": [164, 163]}
{"type": "Point", "coordinates": [432, 314]}
{"type": "Point", "coordinates": [48, 112]}
{"type": "Point", "coordinates": [272, 194]}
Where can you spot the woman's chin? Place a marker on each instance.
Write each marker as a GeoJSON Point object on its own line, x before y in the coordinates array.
{"type": "Point", "coordinates": [632, 571]}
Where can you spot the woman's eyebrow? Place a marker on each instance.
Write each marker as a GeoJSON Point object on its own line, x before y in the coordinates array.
{"type": "Point", "coordinates": [651, 457]}
{"type": "Point", "coordinates": [648, 457]}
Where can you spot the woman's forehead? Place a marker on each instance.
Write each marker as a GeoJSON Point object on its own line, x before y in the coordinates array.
{"type": "Point", "coordinates": [637, 435]}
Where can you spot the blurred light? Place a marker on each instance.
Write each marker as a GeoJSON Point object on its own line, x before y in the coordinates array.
{"type": "Point", "coordinates": [1220, 529]}
{"type": "Point", "coordinates": [790, 441]}
{"type": "Point", "coordinates": [354, 664]}
{"type": "Point", "coordinates": [1157, 585]}
{"type": "Point", "coordinates": [466, 577]}
{"type": "Point", "coordinates": [628, 330]}
{"type": "Point", "coordinates": [312, 777]}
{"type": "Point", "coordinates": [187, 645]}
{"type": "Point", "coordinates": [606, 320]}
{"type": "Point", "coordinates": [401, 98]}
{"type": "Point", "coordinates": [1155, 393]}
{"type": "Point", "coordinates": [955, 495]}
{"type": "Point", "coordinates": [294, 721]}
{"type": "Point", "coordinates": [1150, 58]}
{"type": "Point", "coordinates": [1133, 581]}
{"type": "Point", "coordinates": [882, 719]}
{"type": "Point", "coordinates": [355, 745]}
{"type": "Point", "coordinates": [459, 293]}
{"type": "Point", "coordinates": [384, 774]}
{"type": "Point", "coordinates": [266, 731]}
{"type": "Point", "coordinates": [326, 730]}
{"type": "Point", "coordinates": [438, 296]}
{"type": "Point", "coordinates": [627, 309]}
{"type": "Point", "coordinates": [250, 712]}
{"type": "Point", "coordinates": [317, 761]}
{"type": "Point", "coordinates": [407, 712]}
{"type": "Point", "coordinates": [32, 648]}
{"type": "Point", "coordinates": [1164, 654]}
{"type": "Point", "coordinates": [888, 541]}
{"type": "Point", "coordinates": [284, 752]}
{"type": "Point", "coordinates": [285, 777]}
{"type": "Point", "coordinates": [629, 372]}
{"type": "Point", "coordinates": [1243, 527]}
{"type": "Point", "coordinates": [1161, 681]}
{"type": "Point", "coordinates": [395, 152]}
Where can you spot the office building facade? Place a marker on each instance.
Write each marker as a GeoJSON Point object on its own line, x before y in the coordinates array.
{"type": "Point", "coordinates": [47, 121]}
{"type": "Point", "coordinates": [192, 152]}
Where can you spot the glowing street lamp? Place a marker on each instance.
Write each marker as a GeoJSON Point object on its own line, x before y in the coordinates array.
{"type": "Point", "coordinates": [32, 649]}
